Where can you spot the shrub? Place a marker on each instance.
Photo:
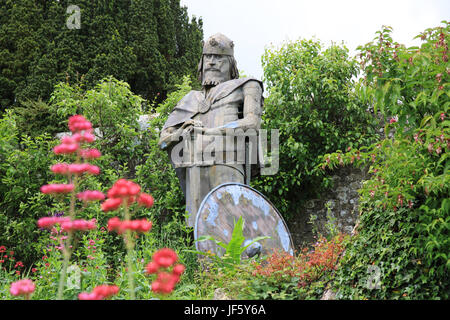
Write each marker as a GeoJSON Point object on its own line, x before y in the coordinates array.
{"type": "Point", "coordinates": [312, 101]}
{"type": "Point", "coordinates": [304, 276]}
{"type": "Point", "coordinates": [156, 172]}
{"type": "Point", "coordinates": [404, 206]}
{"type": "Point", "coordinates": [24, 163]}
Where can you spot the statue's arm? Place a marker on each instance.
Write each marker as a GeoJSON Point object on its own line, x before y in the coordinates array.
{"type": "Point", "coordinates": [252, 106]}
{"type": "Point", "coordinates": [252, 110]}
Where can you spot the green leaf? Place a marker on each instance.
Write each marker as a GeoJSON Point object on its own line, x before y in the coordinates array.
{"type": "Point", "coordinates": [237, 239]}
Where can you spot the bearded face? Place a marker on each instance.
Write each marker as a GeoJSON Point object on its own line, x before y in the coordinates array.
{"type": "Point", "coordinates": [216, 69]}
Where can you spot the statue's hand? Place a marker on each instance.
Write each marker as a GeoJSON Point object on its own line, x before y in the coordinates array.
{"type": "Point", "coordinates": [192, 122]}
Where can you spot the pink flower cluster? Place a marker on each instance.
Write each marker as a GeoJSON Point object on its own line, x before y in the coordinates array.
{"type": "Point", "coordinates": [75, 168]}
{"type": "Point", "coordinates": [48, 222]}
{"type": "Point", "coordinates": [100, 292]}
{"type": "Point", "coordinates": [57, 188]}
{"type": "Point", "coordinates": [68, 146]}
{"type": "Point", "coordinates": [78, 123]}
{"type": "Point", "coordinates": [126, 192]}
{"type": "Point", "coordinates": [90, 153]}
{"type": "Point", "coordinates": [91, 195]}
{"type": "Point", "coordinates": [78, 225]}
{"type": "Point", "coordinates": [67, 224]}
{"type": "Point", "coordinates": [81, 133]}
{"type": "Point", "coordinates": [22, 287]}
{"type": "Point", "coordinates": [166, 280]}
{"type": "Point", "coordinates": [115, 224]}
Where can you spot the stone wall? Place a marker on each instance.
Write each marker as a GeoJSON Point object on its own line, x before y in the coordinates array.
{"type": "Point", "coordinates": [339, 205]}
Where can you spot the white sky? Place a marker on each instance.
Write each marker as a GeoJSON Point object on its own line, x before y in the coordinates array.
{"type": "Point", "coordinates": [255, 24]}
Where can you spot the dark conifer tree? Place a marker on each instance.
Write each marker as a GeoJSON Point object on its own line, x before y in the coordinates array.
{"type": "Point", "coordinates": [150, 44]}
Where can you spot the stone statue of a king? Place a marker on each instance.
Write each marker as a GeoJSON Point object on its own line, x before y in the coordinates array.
{"type": "Point", "coordinates": [198, 134]}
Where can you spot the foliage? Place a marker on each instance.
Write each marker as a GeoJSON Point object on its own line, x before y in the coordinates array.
{"type": "Point", "coordinates": [312, 101]}
{"type": "Point", "coordinates": [278, 275]}
{"type": "Point", "coordinates": [149, 44]}
{"type": "Point", "coordinates": [34, 118]}
{"type": "Point", "coordinates": [23, 169]}
{"type": "Point", "coordinates": [129, 150]}
{"type": "Point", "coordinates": [405, 220]}
{"type": "Point", "coordinates": [156, 172]}
{"type": "Point", "coordinates": [310, 269]}
{"type": "Point", "coordinates": [114, 111]}
{"type": "Point", "coordinates": [57, 253]}
{"type": "Point", "coordinates": [407, 83]}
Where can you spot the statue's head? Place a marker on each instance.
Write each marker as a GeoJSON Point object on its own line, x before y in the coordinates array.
{"type": "Point", "coordinates": [217, 64]}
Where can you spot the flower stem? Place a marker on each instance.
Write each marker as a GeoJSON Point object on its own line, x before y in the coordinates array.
{"type": "Point", "coordinates": [62, 278]}
{"type": "Point", "coordinates": [130, 264]}
{"type": "Point", "coordinates": [67, 250]}
{"type": "Point", "coordinates": [130, 245]}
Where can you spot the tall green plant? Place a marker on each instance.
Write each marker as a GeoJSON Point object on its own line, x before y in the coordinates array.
{"type": "Point", "coordinates": [156, 171]}
{"type": "Point", "coordinates": [407, 83]}
{"type": "Point", "coordinates": [24, 163]}
{"type": "Point", "coordinates": [312, 102]}
{"type": "Point", "coordinates": [404, 206]}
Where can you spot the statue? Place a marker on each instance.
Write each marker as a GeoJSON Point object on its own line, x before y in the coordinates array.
{"type": "Point", "coordinates": [225, 104]}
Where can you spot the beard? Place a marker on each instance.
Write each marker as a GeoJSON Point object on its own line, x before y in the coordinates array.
{"type": "Point", "coordinates": [212, 79]}
{"type": "Point", "coordinates": [210, 83]}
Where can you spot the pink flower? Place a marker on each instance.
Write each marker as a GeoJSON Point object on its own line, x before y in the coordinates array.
{"type": "Point", "coordinates": [94, 170]}
{"type": "Point", "coordinates": [165, 282]}
{"type": "Point", "coordinates": [85, 137]}
{"type": "Point", "coordinates": [89, 296]}
{"type": "Point", "coordinates": [165, 257]}
{"type": "Point", "coordinates": [22, 287]}
{"type": "Point", "coordinates": [393, 120]}
{"type": "Point", "coordinates": [123, 188]}
{"type": "Point", "coordinates": [145, 200]}
{"type": "Point", "coordinates": [442, 115]}
{"type": "Point", "coordinates": [79, 224]}
{"type": "Point", "coordinates": [178, 269]}
{"type": "Point", "coordinates": [89, 195]}
{"type": "Point", "coordinates": [114, 224]}
{"type": "Point", "coordinates": [60, 168]}
{"type": "Point", "coordinates": [90, 153]}
{"type": "Point", "coordinates": [111, 204]}
{"type": "Point", "coordinates": [80, 168]}
{"type": "Point", "coordinates": [65, 148]}
{"type": "Point", "coordinates": [144, 226]}
{"type": "Point", "coordinates": [57, 188]}
{"type": "Point", "coordinates": [99, 293]}
{"type": "Point", "coordinates": [79, 123]}
{"type": "Point", "coordinates": [152, 267]}
{"type": "Point", "coordinates": [106, 291]}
